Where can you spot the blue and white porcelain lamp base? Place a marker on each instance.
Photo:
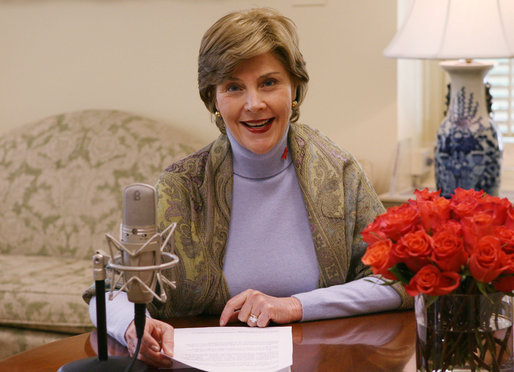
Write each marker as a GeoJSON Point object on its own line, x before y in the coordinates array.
{"type": "Point", "coordinates": [468, 148]}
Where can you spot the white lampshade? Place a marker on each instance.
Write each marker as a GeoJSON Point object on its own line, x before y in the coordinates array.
{"type": "Point", "coordinates": [453, 29]}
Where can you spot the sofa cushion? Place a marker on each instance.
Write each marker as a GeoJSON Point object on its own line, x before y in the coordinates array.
{"type": "Point", "coordinates": [43, 293]}
{"type": "Point", "coordinates": [62, 178]}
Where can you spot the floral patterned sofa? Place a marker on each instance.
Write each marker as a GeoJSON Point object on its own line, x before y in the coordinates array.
{"type": "Point", "coordinates": [60, 191]}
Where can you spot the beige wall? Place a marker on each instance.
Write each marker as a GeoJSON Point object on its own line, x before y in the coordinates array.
{"type": "Point", "coordinates": [140, 56]}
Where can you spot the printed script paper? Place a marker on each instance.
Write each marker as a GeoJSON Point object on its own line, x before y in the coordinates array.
{"type": "Point", "coordinates": [235, 348]}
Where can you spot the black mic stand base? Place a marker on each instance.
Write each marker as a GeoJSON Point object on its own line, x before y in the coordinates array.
{"type": "Point", "coordinates": [113, 364]}
{"type": "Point", "coordinates": [104, 362]}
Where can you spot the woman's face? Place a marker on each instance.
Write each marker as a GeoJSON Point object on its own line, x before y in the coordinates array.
{"type": "Point", "coordinates": [255, 102]}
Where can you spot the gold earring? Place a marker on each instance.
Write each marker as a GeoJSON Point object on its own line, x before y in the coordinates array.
{"type": "Point", "coordinates": [217, 113]}
{"type": "Point", "coordinates": [295, 103]}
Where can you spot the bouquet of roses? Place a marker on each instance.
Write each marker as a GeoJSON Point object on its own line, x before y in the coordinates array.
{"type": "Point", "coordinates": [459, 246]}
{"type": "Point", "coordinates": [437, 246]}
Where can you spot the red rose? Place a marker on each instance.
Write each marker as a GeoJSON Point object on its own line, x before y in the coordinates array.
{"type": "Point", "coordinates": [378, 257]}
{"type": "Point", "coordinates": [431, 281]}
{"type": "Point", "coordinates": [476, 227]}
{"type": "Point", "coordinates": [448, 249]}
{"type": "Point", "coordinates": [434, 212]}
{"type": "Point", "coordinates": [505, 282]}
{"type": "Point", "coordinates": [398, 221]}
{"type": "Point", "coordinates": [506, 236]}
{"type": "Point", "coordinates": [464, 202]}
{"type": "Point", "coordinates": [460, 194]}
{"type": "Point", "coordinates": [426, 194]}
{"type": "Point", "coordinates": [413, 249]}
{"type": "Point", "coordinates": [509, 220]}
{"type": "Point", "coordinates": [452, 226]}
{"type": "Point", "coordinates": [497, 208]}
{"type": "Point", "coordinates": [372, 233]}
{"type": "Point", "coordinates": [437, 240]}
{"type": "Point", "coordinates": [485, 262]}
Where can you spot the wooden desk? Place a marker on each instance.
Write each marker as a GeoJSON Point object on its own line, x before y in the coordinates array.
{"type": "Point", "coordinates": [377, 342]}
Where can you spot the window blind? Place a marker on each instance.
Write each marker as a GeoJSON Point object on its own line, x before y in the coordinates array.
{"type": "Point", "coordinates": [501, 78]}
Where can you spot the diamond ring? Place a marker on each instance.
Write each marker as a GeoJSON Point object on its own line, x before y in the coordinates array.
{"type": "Point", "coordinates": [253, 318]}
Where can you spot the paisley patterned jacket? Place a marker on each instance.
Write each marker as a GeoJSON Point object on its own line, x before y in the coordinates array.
{"type": "Point", "coordinates": [196, 193]}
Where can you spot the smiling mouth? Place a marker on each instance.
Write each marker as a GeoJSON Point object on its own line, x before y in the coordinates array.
{"type": "Point", "coordinates": [257, 123]}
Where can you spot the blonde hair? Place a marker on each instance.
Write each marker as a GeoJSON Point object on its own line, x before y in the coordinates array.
{"type": "Point", "coordinates": [242, 35]}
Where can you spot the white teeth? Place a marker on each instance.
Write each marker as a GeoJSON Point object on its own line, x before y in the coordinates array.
{"type": "Point", "coordinates": [257, 124]}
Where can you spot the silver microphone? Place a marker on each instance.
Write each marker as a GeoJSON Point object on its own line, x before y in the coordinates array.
{"type": "Point", "coordinates": [138, 226]}
{"type": "Point", "coordinates": [140, 247]}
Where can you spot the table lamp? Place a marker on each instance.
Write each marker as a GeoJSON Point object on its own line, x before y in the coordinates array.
{"type": "Point", "coordinates": [468, 148]}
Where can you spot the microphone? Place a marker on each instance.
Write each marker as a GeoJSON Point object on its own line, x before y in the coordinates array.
{"type": "Point", "coordinates": [139, 207]}
{"type": "Point", "coordinates": [140, 257]}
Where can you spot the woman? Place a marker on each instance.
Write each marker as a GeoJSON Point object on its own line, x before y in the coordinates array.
{"type": "Point", "coordinates": [269, 215]}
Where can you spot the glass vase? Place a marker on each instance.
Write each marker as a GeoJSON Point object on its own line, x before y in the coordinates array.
{"type": "Point", "coordinates": [458, 332]}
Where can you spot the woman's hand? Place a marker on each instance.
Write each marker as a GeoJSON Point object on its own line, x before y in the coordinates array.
{"type": "Point", "coordinates": [158, 335]}
{"type": "Point", "coordinates": [265, 308]}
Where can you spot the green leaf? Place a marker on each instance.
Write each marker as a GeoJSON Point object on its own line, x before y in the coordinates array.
{"type": "Point", "coordinates": [402, 272]}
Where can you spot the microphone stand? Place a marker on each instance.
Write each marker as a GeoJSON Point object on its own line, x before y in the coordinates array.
{"type": "Point", "coordinates": [102, 363]}
{"type": "Point", "coordinates": [99, 275]}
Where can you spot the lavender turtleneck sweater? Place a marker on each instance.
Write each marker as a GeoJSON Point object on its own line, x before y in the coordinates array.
{"type": "Point", "coordinates": [270, 247]}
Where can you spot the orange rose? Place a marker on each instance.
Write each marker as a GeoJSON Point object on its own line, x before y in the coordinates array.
{"type": "Point", "coordinates": [378, 257]}
{"type": "Point", "coordinates": [448, 249]}
{"type": "Point", "coordinates": [431, 281]}
{"type": "Point", "coordinates": [485, 262]}
{"type": "Point", "coordinates": [414, 249]}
